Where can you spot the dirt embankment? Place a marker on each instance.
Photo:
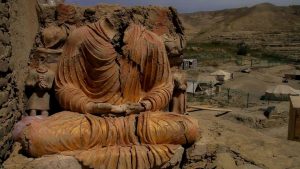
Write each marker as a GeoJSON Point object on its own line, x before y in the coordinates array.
{"type": "Point", "coordinates": [18, 27]}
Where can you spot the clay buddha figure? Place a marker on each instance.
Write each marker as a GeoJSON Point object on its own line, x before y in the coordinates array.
{"type": "Point", "coordinates": [39, 81]}
{"type": "Point", "coordinates": [112, 99]}
{"type": "Point", "coordinates": [174, 47]}
{"type": "Point", "coordinates": [178, 101]}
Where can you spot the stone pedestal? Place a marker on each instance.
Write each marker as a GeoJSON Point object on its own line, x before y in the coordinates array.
{"type": "Point", "coordinates": [19, 161]}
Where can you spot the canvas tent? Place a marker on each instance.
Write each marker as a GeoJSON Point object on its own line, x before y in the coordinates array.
{"type": "Point", "coordinates": [221, 75]}
{"type": "Point", "coordinates": [201, 82]}
{"type": "Point", "coordinates": [204, 85]}
{"type": "Point", "coordinates": [281, 93]}
{"type": "Point", "coordinates": [205, 79]}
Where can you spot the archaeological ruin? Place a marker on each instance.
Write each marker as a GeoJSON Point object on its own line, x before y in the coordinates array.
{"type": "Point", "coordinates": [128, 87]}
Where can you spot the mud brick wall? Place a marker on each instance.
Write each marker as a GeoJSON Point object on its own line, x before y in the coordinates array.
{"type": "Point", "coordinates": [18, 27]}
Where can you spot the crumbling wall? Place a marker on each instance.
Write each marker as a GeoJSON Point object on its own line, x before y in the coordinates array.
{"type": "Point", "coordinates": [21, 32]}
{"type": "Point", "coordinates": [162, 21]}
{"type": "Point", "coordinates": [18, 27]}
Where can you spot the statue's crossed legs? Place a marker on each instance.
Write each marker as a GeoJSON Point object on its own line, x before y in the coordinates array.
{"type": "Point", "coordinates": [136, 141]}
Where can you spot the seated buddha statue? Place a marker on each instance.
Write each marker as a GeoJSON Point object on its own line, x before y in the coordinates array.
{"type": "Point", "coordinates": [113, 99]}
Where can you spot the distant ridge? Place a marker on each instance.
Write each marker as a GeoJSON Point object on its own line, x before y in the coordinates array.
{"type": "Point", "coordinates": [264, 25]}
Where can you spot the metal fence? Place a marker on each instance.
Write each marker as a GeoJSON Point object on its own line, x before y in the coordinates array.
{"type": "Point", "coordinates": [229, 97]}
{"type": "Point", "coordinates": [211, 60]}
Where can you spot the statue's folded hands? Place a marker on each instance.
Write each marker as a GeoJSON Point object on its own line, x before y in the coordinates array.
{"type": "Point", "coordinates": [102, 109]}
{"type": "Point", "coordinates": [134, 108]}
{"type": "Point", "coordinates": [98, 108]}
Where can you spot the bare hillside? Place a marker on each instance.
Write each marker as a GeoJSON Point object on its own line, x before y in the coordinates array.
{"type": "Point", "coordinates": [263, 26]}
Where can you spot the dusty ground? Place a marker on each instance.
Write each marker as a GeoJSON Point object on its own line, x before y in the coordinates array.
{"type": "Point", "coordinates": [259, 79]}
{"type": "Point", "coordinates": [228, 145]}
{"type": "Point", "coordinates": [254, 83]}
{"type": "Point", "coordinates": [245, 137]}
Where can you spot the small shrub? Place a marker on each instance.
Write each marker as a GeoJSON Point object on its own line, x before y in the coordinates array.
{"type": "Point", "coordinates": [242, 48]}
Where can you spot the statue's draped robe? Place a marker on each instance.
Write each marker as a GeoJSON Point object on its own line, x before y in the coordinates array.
{"type": "Point", "coordinates": [92, 71]}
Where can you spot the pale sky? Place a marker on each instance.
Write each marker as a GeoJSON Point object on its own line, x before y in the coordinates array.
{"type": "Point", "coordinates": [189, 5]}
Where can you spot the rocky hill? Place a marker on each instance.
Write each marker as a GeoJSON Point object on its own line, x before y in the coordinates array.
{"type": "Point", "coordinates": [264, 26]}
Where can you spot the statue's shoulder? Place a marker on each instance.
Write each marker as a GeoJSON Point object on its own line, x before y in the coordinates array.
{"type": "Point", "coordinates": [139, 31]}
{"type": "Point", "coordinates": [78, 35]}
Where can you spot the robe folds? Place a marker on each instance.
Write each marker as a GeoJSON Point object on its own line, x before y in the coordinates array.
{"type": "Point", "coordinates": [141, 141]}
{"type": "Point", "coordinates": [91, 70]}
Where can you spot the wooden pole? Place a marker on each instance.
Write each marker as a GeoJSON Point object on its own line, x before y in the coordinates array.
{"type": "Point", "coordinates": [193, 90]}
{"type": "Point", "coordinates": [228, 94]}
{"type": "Point", "coordinates": [207, 108]}
{"type": "Point", "coordinates": [248, 95]}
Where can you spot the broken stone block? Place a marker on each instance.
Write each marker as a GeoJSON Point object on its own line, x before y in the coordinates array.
{"type": "Point", "coordinates": [225, 161]}
{"type": "Point", "coordinates": [199, 150]}
{"type": "Point", "coordinates": [47, 162]}
{"type": "Point", "coordinates": [200, 155]}
{"type": "Point", "coordinates": [175, 161]}
{"type": "Point", "coordinates": [17, 161]}
{"type": "Point", "coordinates": [55, 161]}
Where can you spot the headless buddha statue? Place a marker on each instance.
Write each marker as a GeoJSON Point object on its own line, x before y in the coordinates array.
{"type": "Point", "coordinates": [113, 103]}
